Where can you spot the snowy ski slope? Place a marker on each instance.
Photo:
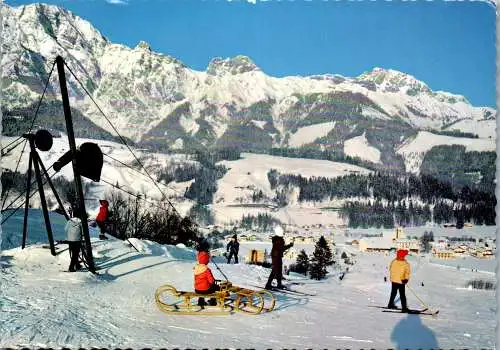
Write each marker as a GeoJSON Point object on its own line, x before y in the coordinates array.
{"type": "Point", "coordinates": [44, 306]}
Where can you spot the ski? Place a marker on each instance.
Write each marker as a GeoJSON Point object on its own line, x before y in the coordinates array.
{"type": "Point", "coordinates": [287, 290]}
{"type": "Point", "coordinates": [301, 282]}
{"type": "Point", "coordinates": [394, 309]}
{"type": "Point", "coordinates": [83, 270]}
{"type": "Point", "coordinates": [414, 312]}
{"type": "Point", "coordinates": [291, 291]}
{"type": "Point", "coordinates": [293, 283]}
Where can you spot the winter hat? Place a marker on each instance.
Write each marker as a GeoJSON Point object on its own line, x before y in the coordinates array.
{"type": "Point", "coordinates": [235, 237]}
{"type": "Point", "coordinates": [401, 254]}
{"type": "Point", "coordinates": [278, 231]}
{"type": "Point", "coordinates": [203, 258]}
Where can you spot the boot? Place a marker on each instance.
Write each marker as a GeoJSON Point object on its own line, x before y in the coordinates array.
{"type": "Point", "coordinates": [391, 306]}
{"type": "Point", "coordinates": [212, 302]}
{"type": "Point", "coordinates": [102, 237]}
{"type": "Point", "coordinates": [201, 302]}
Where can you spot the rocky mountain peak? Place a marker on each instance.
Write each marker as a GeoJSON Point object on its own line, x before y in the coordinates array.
{"type": "Point", "coordinates": [143, 46]}
{"type": "Point", "coordinates": [235, 65]}
{"type": "Point", "coordinates": [390, 80]}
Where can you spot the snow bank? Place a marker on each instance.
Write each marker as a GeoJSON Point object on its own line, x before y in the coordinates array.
{"type": "Point", "coordinates": [180, 252]}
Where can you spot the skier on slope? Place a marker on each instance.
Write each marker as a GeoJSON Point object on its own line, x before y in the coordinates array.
{"type": "Point", "coordinates": [204, 281]}
{"type": "Point", "coordinates": [399, 271]}
{"type": "Point", "coordinates": [73, 231]}
{"type": "Point", "coordinates": [102, 217]}
{"type": "Point", "coordinates": [232, 248]}
{"type": "Point", "coordinates": [277, 251]}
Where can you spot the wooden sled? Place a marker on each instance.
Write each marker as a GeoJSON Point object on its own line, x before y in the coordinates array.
{"type": "Point", "coordinates": [229, 299]}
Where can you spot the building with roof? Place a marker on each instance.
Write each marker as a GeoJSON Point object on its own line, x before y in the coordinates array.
{"type": "Point", "coordinates": [411, 245]}
{"type": "Point", "coordinates": [376, 244]}
{"type": "Point", "coordinates": [389, 241]}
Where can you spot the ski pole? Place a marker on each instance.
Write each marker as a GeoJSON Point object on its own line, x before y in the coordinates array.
{"type": "Point", "coordinates": [218, 268]}
{"type": "Point", "coordinates": [415, 294]}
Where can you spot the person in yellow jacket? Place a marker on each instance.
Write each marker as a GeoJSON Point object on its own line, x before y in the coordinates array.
{"type": "Point", "coordinates": [399, 270]}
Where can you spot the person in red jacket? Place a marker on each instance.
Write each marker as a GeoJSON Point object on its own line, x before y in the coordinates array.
{"type": "Point", "coordinates": [204, 281]}
{"type": "Point", "coordinates": [102, 217]}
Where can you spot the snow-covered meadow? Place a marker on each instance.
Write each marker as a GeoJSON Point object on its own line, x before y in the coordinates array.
{"type": "Point", "coordinates": [43, 305]}
{"type": "Point", "coordinates": [414, 150]}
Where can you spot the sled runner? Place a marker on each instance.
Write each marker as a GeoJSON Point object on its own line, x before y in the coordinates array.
{"type": "Point", "coordinates": [228, 300]}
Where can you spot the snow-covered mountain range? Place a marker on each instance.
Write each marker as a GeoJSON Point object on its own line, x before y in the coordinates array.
{"type": "Point", "coordinates": [157, 100]}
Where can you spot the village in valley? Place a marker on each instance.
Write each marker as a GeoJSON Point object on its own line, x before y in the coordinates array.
{"type": "Point", "coordinates": [353, 242]}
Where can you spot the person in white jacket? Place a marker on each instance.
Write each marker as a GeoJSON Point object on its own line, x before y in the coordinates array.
{"type": "Point", "coordinates": [73, 231]}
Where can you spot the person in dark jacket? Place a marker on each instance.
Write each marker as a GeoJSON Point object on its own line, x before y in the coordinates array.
{"type": "Point", "coordinates": [73, 231]}
{"type": "Point", "coordinates": [277, 252]}
{"type": "Point", "coordinates": [232, 249]}
{"type": "Point", "coordinates": [102, 217]}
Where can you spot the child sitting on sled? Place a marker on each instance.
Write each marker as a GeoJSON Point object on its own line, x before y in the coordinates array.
{"type": "Point", "coordinates": [204, 281]}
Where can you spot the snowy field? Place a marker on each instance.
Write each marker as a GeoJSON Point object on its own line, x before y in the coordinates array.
{"type": "Point", "coordinates": [359, 147]}
{"type": "Point", "coordinates": [413, 151]}
{"type": "Point", "coordinates": [485, 266]}
{"type": "Point", "coordinates": [251, 171]}
{"type": "Point", "coordinates": [426, 140]}
{"type": "Point", "coordinates": [44, 306]}
{"type": "Point", "coordinates": [308, 134]}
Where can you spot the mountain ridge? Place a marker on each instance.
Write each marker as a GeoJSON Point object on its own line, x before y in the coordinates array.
{"type": "Point", "coordinates": [156, 99]}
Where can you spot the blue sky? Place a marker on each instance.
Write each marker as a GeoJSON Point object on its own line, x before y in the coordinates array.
{"type": "Point", "coordinates": [448, 45]}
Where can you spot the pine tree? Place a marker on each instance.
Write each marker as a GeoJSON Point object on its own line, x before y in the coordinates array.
{"type": "Point", "coordinates": [302, 263]}
{"type": "Point", "coordinates": [322, 257]}
{"type": "Point", "coordinates": [328, 252]}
